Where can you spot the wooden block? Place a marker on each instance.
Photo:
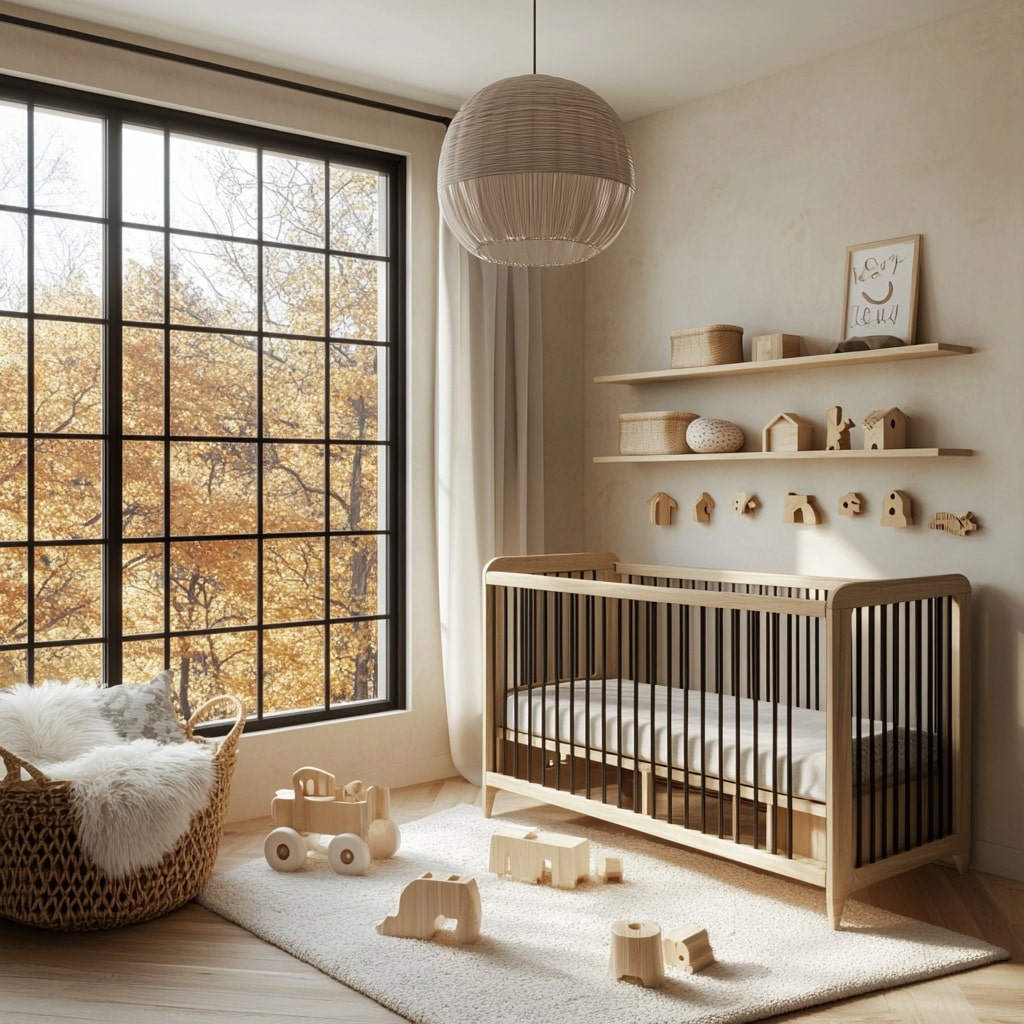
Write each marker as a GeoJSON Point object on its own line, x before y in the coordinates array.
{"type": "Point", "coordinates": [787, 432]}
{"type": "Point", "coordinates": [609, 869]}
{"type": "Point", "coordinates": [774, 346]}
{"type": "Point", "coordinates": [426, 902]}
{"type": "Point", "coordinates": [636, 952]}
{"type": "Point", "coordinates": [800, 508]}
{"type": "Point", "coordinates": [686, 946]}
{"type": "Point", "coordinates": [527, 857]}
{"type": "Point", "coordinates": [897, 510]}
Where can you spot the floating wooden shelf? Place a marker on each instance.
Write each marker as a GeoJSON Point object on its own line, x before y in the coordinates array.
{"type": "Point", "coordinates": [823, 456]}
{"type": "Point", "coordinates": [863, 358]}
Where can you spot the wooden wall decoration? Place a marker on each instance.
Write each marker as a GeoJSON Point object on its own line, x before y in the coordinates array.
{"type": "Point", "coordinates": [948, 522]}
{"type": "Point", "coordinates": [837, 430]}
{"type": "Point", "coordinates": [800, 508]}
{"type": "Point", "coordinates": [897, 510]}
{"type": "Point", "coordinates": [662, 506]}
{"type": "Point", "coordinates": [744, 504]}
{"type": "Point", "coordinates": [885, 429]}
{"type": "Point", "coordinates": [851, 504]}
{"type": "Point", "coordinates": [787, 432]}
{"type": "Point", "coordinates": [703, 507]}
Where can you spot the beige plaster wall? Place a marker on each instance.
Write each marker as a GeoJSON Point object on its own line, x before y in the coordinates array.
{"type": "Point", "coordinates": [745, 205]}
{"type": "Point", "coordinates": [393, 749]}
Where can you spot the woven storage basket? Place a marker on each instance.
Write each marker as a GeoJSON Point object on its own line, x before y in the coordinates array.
{"type": "Point", "coordinates": [707, 346]}
{"type": "Point", "coordinates": [654, 433]}
{"type": "Point", "coordinates": [45, 880]}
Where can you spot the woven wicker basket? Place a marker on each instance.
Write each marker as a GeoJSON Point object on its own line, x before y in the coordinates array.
{"type": "Point", "coordinates": [707, 346]}
{"type": "Point", "coordinates": [46, 881]}
{"type": "Point", "coordinates": [654, 433]}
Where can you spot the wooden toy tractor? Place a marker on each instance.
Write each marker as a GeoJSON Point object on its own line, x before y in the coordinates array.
{"type": "Point", "coordinates": [357, 818]}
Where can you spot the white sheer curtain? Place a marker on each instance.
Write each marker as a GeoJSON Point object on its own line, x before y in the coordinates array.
{"type": "Point", "coordinates": [490, 469]}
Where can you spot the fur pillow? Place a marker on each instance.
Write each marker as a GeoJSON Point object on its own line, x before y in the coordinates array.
{"type": "Point", "coordinates": [134, 801]}
{"type": "Point", "coordinates": [143, 710]}
{"type": "Point", "coordinates": [52, 722]}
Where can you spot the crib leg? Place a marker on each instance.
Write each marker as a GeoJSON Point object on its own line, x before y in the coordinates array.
{"type": "Point", "coordinates": [835, 899]}
{"type": "Point", "coordinates": [960, 861]}
{"type": "Point", "coordinates": [487, 800]}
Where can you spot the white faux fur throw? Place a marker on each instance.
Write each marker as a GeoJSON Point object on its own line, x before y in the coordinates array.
{"type": "Point", "coordinates": [134, 801]}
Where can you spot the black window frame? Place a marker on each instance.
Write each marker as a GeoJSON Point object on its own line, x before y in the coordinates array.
{"type": "Point", "coordinates": [117, 113]}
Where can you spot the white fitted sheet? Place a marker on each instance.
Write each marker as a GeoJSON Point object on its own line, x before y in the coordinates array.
{"type": "Point", "coordinates": [629, 733]}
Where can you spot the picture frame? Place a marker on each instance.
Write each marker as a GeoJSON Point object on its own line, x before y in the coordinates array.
{"type": "Point", "coordinates": [880, 295]}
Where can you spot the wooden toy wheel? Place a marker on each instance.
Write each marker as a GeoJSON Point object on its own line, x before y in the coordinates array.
{"type": "Point", "coordinates": [348, 854]}
{"type": "Point", "coordinates": [285, 849]}
{"type": "Point", "coordinates": [383, 838]}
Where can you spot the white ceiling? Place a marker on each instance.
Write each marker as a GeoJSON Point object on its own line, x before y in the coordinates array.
{"type": "Point", "coordinates": [642, 56]}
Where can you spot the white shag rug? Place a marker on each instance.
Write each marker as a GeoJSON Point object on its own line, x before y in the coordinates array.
{"type": "Point", "coordinates": [543, 954]}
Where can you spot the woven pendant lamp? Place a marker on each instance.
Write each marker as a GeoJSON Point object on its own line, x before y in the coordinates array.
{"type": "Point", "coordinates": [535, 171]}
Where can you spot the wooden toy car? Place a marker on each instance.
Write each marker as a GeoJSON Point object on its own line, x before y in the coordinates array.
{"type": "Point", "coordinates": [357, 817]}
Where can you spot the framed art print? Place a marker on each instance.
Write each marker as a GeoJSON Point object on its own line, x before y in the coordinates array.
{"type": "Point", "coordinates": [880, 297]}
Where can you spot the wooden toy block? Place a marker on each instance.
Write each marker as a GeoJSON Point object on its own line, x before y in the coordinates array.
{"type": "Point", "coordinates": [609, 869]}
{"type": "Point", "coordinates": [897, 510]}
{"type": "Point", "coordinates": [885, 429]}
{"type": "Point", "coordinates": [686, 946]}
{"type": "Point", "coordinates": [662, 506]}
{"type": "Point", "coordinates": [787, 432]}
{"type": "Point", "coordinates": [851, 504]}
{"type": "Point", "coordinates": [774, 346]}
{"type": "Point", "coordinates": [428, 901]}
{"type": "Point", "coordinates": [837, 430]}
{"type": "Point", "coordinates": [703, 507]}
{"type": "Point", "coordinates": [800, 508]}
{"type": "Point", "coordinates": [528, 856]}
{"type": "Point", "coordinates": [947, 522]}
{"type": "Point", "coordinates": [636, 953]}
{"type": "Point", "coordinates": [744, 504]}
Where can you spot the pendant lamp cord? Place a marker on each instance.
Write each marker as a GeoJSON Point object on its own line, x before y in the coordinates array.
{"type": "Point", "coordinates": [535, 36]}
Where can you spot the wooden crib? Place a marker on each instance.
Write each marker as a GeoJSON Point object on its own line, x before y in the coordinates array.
{"type": "Point", "coordinates": [815, 728]}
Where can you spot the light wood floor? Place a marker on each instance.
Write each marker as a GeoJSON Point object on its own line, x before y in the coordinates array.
{"type": "Point", "coordinates": [193, 966]}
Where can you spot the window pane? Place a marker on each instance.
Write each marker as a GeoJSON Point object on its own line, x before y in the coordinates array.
{"type": "Point", "coordinates": [293, 669]}
{"type": "Point", "coordinates": [68, 385]}
{"type": "Point", "coordinates": [67, 593]}
{"type": "Point", "coordinates": [142, 370]}
{"type": "Point", "coordinates": [13, 490]}
{"type": "Point", "coordinates": [357, 293]}
{"type": "Point", "coordinates": [67, 489]}
{"type": "Point", "coordinates": [13, 154]}
{"type": "Point", "coordinates": [213, 584]}
{"type": "Point", "coordinates": [293, 200]}
{"type": "Point", "coordinates": [13, 374]}
{"type": "Point", "coordinates": [357, 391]}
{"type": "Point", "coordinates": [142, 275]}
{"type": "Point", "coordinates": [213, 187]}
{"type": "Point", "coordinates": [68, 267]}
{"type": "Point", "coordinates": [142, 177]}
{"type": "Point", "coordinates": [213, 488]}
{"type": "Point", "coordinates": [293, 487]}
{"type": "Point", "coordinates": [13, 599]}
{"type": "Point", "coordinates": [13, 666]}
{"type": "Point", "coordinates": [213, 385]}
{"type": "Point", "coordinates": [13, 261]}
{"type": "Point", "coordinates": [354, 662]}
{"type": "Point", "coordinates": [142, 489]}
{"type": "Point", "coordinates": [82, 661]}
{"type": "Point", "coordinates": [213, 283]}
{"type": "Point", "coordinates": [293, 388]}
{"type": "Point", "coordinates": [206, 666]}
{"type": "Point", "coordinates": [354, 474]}
{"type": "Point", "coordinates": [142, 589]}
{"type": "Point", "coordinates": [293, 579]}
{"type": "Point", "coordinates": [293, 291]}
{"type": "Point", "coordinates": [68, 175]}
{"type": "Point", "coordinates": [358, 205]}
{"type": "Point", "coordinates": [355, 576]}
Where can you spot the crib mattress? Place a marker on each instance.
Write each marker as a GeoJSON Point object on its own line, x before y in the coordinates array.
{"type": "Point", "coordinates": [572, 711]}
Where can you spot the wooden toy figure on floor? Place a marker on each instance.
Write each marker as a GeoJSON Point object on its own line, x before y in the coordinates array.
{"type": "Point", "coordinates": [428, 901]}
{"type": "Point", "coordinates": [527, 855]}
{"type": "Point", "coordinates": [357, 817]}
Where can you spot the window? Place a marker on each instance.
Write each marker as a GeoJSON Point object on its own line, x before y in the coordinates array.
{"type": "Point", "coordinates": [200, 408]}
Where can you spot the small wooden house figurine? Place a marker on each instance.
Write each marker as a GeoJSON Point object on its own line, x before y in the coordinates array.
{"type": "Point", "coordinates": [885, 429]}
{"type": "Point", "coordinates": [786, 433]}
{"type": "Point", "coordinates": [662, 506]}
{"type": "Point", "coordinates": [897, 510]}
{"type": "Point", "coordinates": [703, 507]}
